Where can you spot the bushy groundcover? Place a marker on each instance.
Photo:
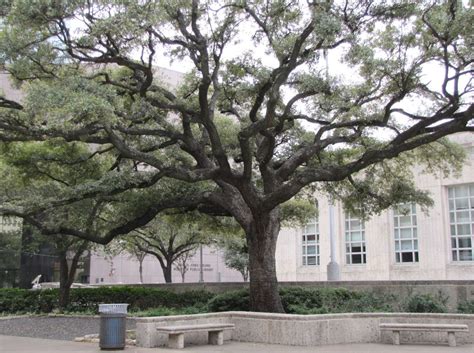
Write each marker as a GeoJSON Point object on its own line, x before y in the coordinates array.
{"type": "Point", "coordinates": [87, 299]}
{"type": "Point", "coordinates": [297, 300]}
{"type": "Point", "coordinates": [158, 302]}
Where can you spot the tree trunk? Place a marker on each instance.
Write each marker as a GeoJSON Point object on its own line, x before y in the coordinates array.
{"type": "Point", "coordinates": [167, 273]}
{"type": "Point", "coordinates": [245, 276]}
{"type": "Point", "coordinates": [183, 274]}
{"type": "Point", "coordinates": [67, 274]}
{"type": "Point", "coordinates": [262, 237]}
{"type": "Point", "coordinates": [140, 269]}
{"type": "Point", "coordinates": [64, 287]}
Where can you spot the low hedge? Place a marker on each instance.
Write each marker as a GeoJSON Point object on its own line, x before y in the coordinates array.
{"type": "Point", "coordinates": [154, 301]}
{"type": "Point", "coordinates": [297, 300]}
{"type": "Point", "coordinates": [17, 301]}
{"type": "Point", "coordinates": [87, 299]}
{"type": "Point", "coordinates": [426, 303]}
{"type": "Point", "coordinates": [466, 307]}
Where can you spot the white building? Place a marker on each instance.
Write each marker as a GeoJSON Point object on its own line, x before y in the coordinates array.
{"type": "Point", "coordinates": [391, 246]}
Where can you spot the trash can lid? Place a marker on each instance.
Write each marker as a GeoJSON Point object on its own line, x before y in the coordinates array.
{"type": "Point", "coordinates": [113, 308]}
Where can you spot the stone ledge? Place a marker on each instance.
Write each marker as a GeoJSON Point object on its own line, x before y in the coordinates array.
{"type": "Point", "coordinates": [294, 317]}
{"type": "Point", "coordinates": [304, 330]}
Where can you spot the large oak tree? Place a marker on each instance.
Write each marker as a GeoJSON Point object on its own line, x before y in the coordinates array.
{"type": "Point", "coordinates": [259, 118]}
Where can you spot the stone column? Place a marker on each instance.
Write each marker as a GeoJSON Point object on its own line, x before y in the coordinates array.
{"type": "Point", "coordinates": [396, 337]}
{"type": "Point", "coordinates": [216, 337]}
{"type": "Point", "coordinates": [451, 339]}
{"type": "Point", "coordinates": [176, 340]}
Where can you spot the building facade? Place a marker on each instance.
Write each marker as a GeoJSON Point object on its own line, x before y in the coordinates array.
{"type": "Point", "coordinates": [402, 243]}
{"type": "Point", "coordinates": [124, 269]}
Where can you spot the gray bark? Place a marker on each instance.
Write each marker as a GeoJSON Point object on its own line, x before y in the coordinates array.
{"type": "Point", "coordinates": [262, 241]}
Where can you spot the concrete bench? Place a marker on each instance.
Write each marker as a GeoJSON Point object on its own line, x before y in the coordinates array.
{"type": "Point", "coordinates": [449, 328]}
{"type": "Point", "coordinates": [176, 333]}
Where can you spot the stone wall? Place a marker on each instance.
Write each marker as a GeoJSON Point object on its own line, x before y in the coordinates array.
{"type": "Point", "coordinates": [56, 327]}
{"type": "Point", "coordinates": [305, 330]}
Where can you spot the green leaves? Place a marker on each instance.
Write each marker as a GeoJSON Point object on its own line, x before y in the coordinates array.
{"type": "Point", "coordinates": [236, 255]}
{"type": "Point", "coordinates": [391, 182]}
{"type": "Point", "coordinates": [297, 212]}
{"type": "Point", "coordinates": [71, 102]}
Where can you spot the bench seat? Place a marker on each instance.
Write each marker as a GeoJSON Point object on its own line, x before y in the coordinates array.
{"type": "Point", "coordinates": [176, 333]}
{"type": "Point", "coordinates": [449, 328]}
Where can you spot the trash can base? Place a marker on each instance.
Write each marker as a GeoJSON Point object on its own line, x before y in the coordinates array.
{"type": "Point", "coordinates": [112, 349]}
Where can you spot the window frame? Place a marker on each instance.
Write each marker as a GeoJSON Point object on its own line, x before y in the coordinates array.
{"type": "Point", "coordinates": [305, 243]}
{"type": "Point", "coordinates": [456, 225]}
{"type": "Point", "coordinates": [348, 241]}
{"type": "Point", "coordinates": [413, 238]}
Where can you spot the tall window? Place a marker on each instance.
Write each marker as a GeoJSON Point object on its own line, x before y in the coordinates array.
{"type": "Point", "coordinates": [461, 220]}
{"type": "Point", "coordinates": [355, 241]}
{"type": "Point", "coordinates": [311, 243]}
{"type": "Point", "coordinates": [406, 237]}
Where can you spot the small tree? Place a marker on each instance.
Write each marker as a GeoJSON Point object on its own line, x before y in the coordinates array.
{"type": "Point", "coordinates": [182, 264]}
{"type": "Point", "coordinates": [129, 247]}
{"type": "Point", "coordinates": [46, 167]}
{"type": "Point", "coordinates": [69, 251]}
{"type": "Point", "coordinates": [236, 256]}
{"type": "Point", "coordinates": [167, 238]}
{"type": "Point", "coordinates": [140, 257]}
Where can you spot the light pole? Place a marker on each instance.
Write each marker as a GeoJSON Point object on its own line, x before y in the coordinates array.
{"type": "Point", "coordinates": [334, 273]}
{"type": "Point", "coordinates": [201, 272]}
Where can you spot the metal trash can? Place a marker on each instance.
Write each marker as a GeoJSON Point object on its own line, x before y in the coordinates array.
{"type": "Point", "coordinates": [113, 320]}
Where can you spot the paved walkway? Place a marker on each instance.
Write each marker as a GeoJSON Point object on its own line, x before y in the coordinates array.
{"type": "Point", "coordinates": [11, 344]}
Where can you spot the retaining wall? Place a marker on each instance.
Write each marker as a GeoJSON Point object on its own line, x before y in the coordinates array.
{"type": "Point", "coordinates": [305, 330]}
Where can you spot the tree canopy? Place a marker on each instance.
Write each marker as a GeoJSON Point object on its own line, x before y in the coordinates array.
{"type": "Point", "coordinates": [258, 120]}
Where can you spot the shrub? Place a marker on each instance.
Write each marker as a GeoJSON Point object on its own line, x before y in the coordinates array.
{"type": "Point", "coordinates": [156, 302]}
{"type": "Point", "coordinates": [426, 303]}
{"type": "Point", "coordinates": [22, 301]}
{"type": "Point", "coordinates": [230, 301]}
{"type": "Point", "coordinates": [87, 299]}
{"type": "Point", "coordinates": [294, 300]}
{"type": "Point", "coordinates": [466, 307]}
{"type": "Point", "coordinates": [300, 300]}
{"type": "Point", "coordinates": [337, 300]}
{"type": "Point", "coordinates": [138, 298]}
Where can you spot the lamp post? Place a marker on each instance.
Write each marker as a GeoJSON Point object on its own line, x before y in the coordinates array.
{"type": "Point", "coordinates": [201, 271]}
{"type": "Point", "coordinates": [334, 273]}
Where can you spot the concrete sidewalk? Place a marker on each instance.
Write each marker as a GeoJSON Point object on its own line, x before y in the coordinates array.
{"type": "Point", "coordinates": [12, 344]}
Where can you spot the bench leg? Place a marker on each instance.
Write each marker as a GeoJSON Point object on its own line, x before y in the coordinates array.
{"type": "Point", "coordinates": [396, 337]}
{"type": "Point", "coordinates": [216, 337]}
{"type": "Point", "coordinates": [176, 340]}
{"type": "Point", "coordinates": [451, 339]}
